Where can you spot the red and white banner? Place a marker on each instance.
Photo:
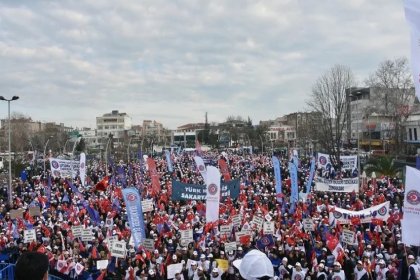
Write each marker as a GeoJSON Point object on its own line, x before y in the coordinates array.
{"type": "Point", "coordinates": [410, 231]}
{"type": "Point", "coordinates": [153, 175]}
{"type": "Point", "coordinates": [224, 170]}
{"type": "Point", "coordinates": [344, 216]}
{"type": "Point", "coordinates": [201, 166]}
{"type": "Point", "coordinates": [212, 194]}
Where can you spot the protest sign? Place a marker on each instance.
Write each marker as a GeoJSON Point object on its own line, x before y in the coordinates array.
{"type": "Point", "coordinates": [173, 269]}
{"type": "Point", "coordinates": [87, 235]}
{"type": "Point", "coordinates": [34, 211]}
{"type": "Point", "coordinates": [147, 205]}
{"type": "Point", "coordinates": [225, 230]}
{"type": "Point", "coordinates": [102, 264]}
{"type": "Point", "coordinates": [149, 244]}
{"type": "Point", "coordinates": [29, 235]}
{"type": "Point", "coordinates": [231, 246]}
{"type": "Point", "coordinates": [258, 221]}
{"type": "Point", "coordinates": [236, 220]}
{"type": "Point", "coordinates": [268, 228]}
{"type": "Point", "coordinates": [64, 168]}
{"type": "Point", "coordinates": [222, 264]}
{"type": "Point", "coordinates": [348, 237]}
{"type": "Point", "coordinates": [308, 225]}
{"type": "Point", "coordinates": [16, 213]}
{"type": "Point", "coordinates": [186, 237]}
{"type": "Point", "coordinates": [77, 231]}
{"type": "Point", "coordinates": [118, 249]}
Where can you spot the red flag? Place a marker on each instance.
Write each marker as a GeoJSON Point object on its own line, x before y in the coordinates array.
{"type": "Point", "coordinates": [332, 242]}
{"type": "Point", "coordinates": [153, 175]}
{"type": "Point", "coordinates": [245, 239]}
{"type": "Point", "coordinates": [103, 184]}
{"type": "Point", "coordinates": [224, 170]}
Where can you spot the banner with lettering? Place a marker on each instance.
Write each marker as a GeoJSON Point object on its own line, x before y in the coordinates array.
{"type": "Point", "coordinates": [132, 201]}
{"type": "Point", "coordinates": [344, 216]}
{"type": "Point", "coordinates": [169, 161]}
{"type": "Point", "coordinates": [153, 175]}
{"type": "Point", "coordinates": [199, 162]}
{"type": "Point", "coordinates": [224, 170]}
{"type": "Point", "coordinates": [182, 191]}
{"type": "Point", "coordinates": [64, 168]}
{"type": "Point", "coordinates": [82, 168]}
{"type": "Point", "coordinates": [349, 162]}
{"type": "Point", "coordinates": [212, 194]}
{"type": "Point", "coordinates": [277, 177]}
{"type": "Point", "coordinates": [339, 185]}
{"type": "Point", "coordinates": [293, 170]}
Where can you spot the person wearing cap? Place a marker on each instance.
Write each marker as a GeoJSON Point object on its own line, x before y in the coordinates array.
{"type": "Point", "coordinates": [216, 274]}
{"type": "Point", "coordinates": [337, 272]}
{"type": "Point", "coordinates": [205, 264]}
{"type": "Point", "coordinates": [360, 272]}
{"type": "Point", "coordinates": [381, 271]}
{"type": "Point", "coordinates": [283, 269]}
{"type": "Point", "coordinates": [192, 271]}
{"type": "Point", "coordinates": [297, 272]}
{"type": "Point", "coordinates": [413, 268]}
{"type": "Point", "coordinates": [255, 265]}
{"type": "Point", "coordinates": [179, 276]}
{"type": "Point", "coordinates": [321, 274]}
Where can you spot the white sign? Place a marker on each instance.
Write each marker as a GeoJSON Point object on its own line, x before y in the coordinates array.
{"type": "Point", "coordinates": [341, 185]}
{"type": "Point", "coordinates": [344, 216]}
{"type": "Point", "coordinates": [349, 162]}
{"type": "Point", "coordinates": [258, 221]}
{"type": "Point", "coordinates": [29, 235]}
{"type": "Point", "coordinates": [173, 269]}
{"type": "Point", "coordinates": [236, 220]}
{"type": "Point", "coordinates": [410, 232]}
{"type": "Point", "coordinates": [102, 264]}
{"type": "Point", "coordinates": [77, 231]}
{"type": "Point", "coordinates": [147, 205]}
{"type": "Point", "coordinates": [149, 244]}
{"type": "Point", "coordinates": [268, 228]}
{"type": "Point", "coordinates": [308, 225]}
{"type": "Point", "coordinates": [87, 235]}
{"type": "Point", "coordinates": [118, 249]}
{"type": "Point", "coordinates": [231, 246]}
{"type": "Point", "coordinates": [64, 168]}
{"type": "Point", "coordinates": [225, 230]}
{"type": "Point", "coordinates": [349, 237]}
{"type": "Point", "coordinates": [186, 237]}
{"type": "Point", "coordinates": [240, 234]}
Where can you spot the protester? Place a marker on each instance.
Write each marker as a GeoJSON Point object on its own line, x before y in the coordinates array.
{"type": "Point", "coordinates": [76, 226]}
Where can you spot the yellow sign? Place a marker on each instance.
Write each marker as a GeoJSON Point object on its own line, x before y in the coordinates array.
{"type": "Point", "coordinates": [222, 264]}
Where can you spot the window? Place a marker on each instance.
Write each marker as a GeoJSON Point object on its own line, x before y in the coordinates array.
{"type": "Point", "coordinates": [415, 134]}
{"type": "Point", "coordinates": [410, 133]}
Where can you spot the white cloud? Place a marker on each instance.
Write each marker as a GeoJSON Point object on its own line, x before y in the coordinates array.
{"type": "Point", "coordinates": [174, 60]}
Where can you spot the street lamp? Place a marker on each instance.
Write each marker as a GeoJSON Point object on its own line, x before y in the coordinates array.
{"type": "Point", "coordinates": [9, 191]}
{"type": "Point", "coordinates": [106, 156]}
{"type": "Point", "coordinates": [128, 148]}
{"type": "Point", "coordinates": [45, 151]}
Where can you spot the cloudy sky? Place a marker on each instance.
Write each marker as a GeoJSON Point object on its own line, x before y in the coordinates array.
{"type": "Point", "coordinates": [174, 60]}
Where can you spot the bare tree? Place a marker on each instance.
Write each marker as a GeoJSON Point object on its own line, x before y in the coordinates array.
{"type": "Point", "coordinates": [328, 98]}
{"type": "Point", "coordinates": [395, 94]}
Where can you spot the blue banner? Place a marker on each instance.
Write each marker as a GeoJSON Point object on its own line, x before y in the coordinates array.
{"type": "Point", "coordinates": [182, 191]}
{"type": "Point", "coordinates": [132, 201]}
{"type": "Point", "coordinates": [277, 176]}
{"type": "Point", "coordinates": [311, 176]}
{"type": "Point", "coordinates": [293, 170]}
{"type": "Point", "coordinates": [168, 161]}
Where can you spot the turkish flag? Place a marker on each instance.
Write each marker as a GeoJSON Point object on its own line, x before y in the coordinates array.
{"type": "Point", "coordinates": [103, 184]}
{"type": "Point", "coordinates": [332, 242]}
{"type": "Point", "coordinates": [245, 239]}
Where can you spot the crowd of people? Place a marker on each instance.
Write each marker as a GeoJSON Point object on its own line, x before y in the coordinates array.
{"type": "Point", "coordinates": [295, 253]}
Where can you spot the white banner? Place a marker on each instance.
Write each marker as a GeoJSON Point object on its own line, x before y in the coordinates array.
{"type": "Point", "coordinates": [342, 185]}
{"type": "Point", "coordinates": [77, 231]}
{"type": "Point", "coordinates": [87, 235]}
{"type": "Point", "coordinates": [239, 234]}
{"type": "Point", "coordinates": [102, 264]}
{"type": "Point", "coordinates": [412, 14]}
{"type": "Point", "coordinates": [186, 237]}
{"type": "Point", "coordinates": [29, 236]}
{"type": "Point", "coordinates": [308, 225]}
{"type": "Point", "coordinates": [268, 228]}
{"type": "Point", "coordinates": [147, 205]}
{"type": "Point", "coordinates": [236, 220]}
{"type": "Point", "coordinates": [149, 244]}
{"type": "Point", "coordinates": [212, 194]}
{"type": "Point", "coordinates": [349, 237]}
{"type": "Point", "coordinates": [349, 162]}
{"type": "Point", "coordinates": [225, 230]}
{"type": "Point", "coordinates": [230, 246]}
{"type": "Point", "coordinates": [64, 168]}
{"type": "Point", "coordinates": [201, 167]}
{"type": "Point", "coordinates": [258, 221]}
{"type": "Point", "coordinates": [410, 222]}
{"type": "Point", "coordinates": [173, 269]}
{"type": "Point", "coordinates": [118, 249]}
{"type": "Point", "coordinates": [82, 168]}
{"type": "Point", "coordinates": [344, 216]}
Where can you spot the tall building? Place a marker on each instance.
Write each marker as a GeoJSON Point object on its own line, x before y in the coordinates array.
{"type": "Point", "coordinates": [115, 123]}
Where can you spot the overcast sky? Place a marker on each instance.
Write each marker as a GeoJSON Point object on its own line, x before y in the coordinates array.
{"type": "Point", "coordinates": [174, 60]}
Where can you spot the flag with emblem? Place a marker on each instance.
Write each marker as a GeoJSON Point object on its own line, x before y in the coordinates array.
{"type": "Point", "coordinates": [266, 241]}
{"type": "Point", "coordinates": [410, 232]}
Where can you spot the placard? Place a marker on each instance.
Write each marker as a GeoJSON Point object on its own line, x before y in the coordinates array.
{"type": "Point", "coordinates": [173, 269]}
{"type": "Point", "coordinates": [29, 235]}
{"type": "Point", "coordinates": [239, 234]}
{"type": "Point", "coordinates": [186, 237]}
{"type": "Point", "coordinates": [268, 228]}
{"type": "Point", "coordinates": [34, 211]}
{"type": "Point", "coordinates": [258, 221]}
{"type": "Point", "coordinates": [147, 205]}
{"type": "Point", "coordinates": [77, 231]}
{"type": "Point", "coordinates": [223, 265]}
{"type": "Point", "coordinates": [231, 246]}
{"type": "Point", "coordinates": [308, 225]}
{"type": "Point", "coordinates": [225, 230]}
{"type": "Point", "coordinates": [348, 237]}
{"type": "Point", "coordinates": [87, 235]}
{"type": "Point", "coordinates": [102, 264]}
{"type": "Point", "coordinates": [236, 220]}
{"type": "Point", "coordinates": [16, 213]}
{"type": "Point", "coordinates": [149, 244]}
{"type": "Point", "coordinates": [118, 249]}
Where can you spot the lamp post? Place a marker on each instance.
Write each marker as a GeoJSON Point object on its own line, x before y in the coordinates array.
{"type": "Point", "coordinates": [106, 156]}
{"type": "Point", "coordinates": [9, 190]}
{"type": "Point", "coordinates": [45, 151]}
{"type": "Point", "coordinates": [128, 149]}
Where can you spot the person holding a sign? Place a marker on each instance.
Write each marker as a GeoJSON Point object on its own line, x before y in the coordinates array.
{"type": "Point", "coordinates": [32, 266]}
